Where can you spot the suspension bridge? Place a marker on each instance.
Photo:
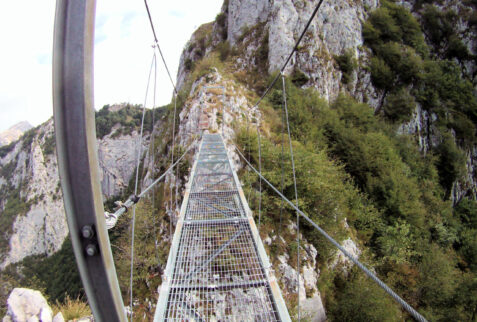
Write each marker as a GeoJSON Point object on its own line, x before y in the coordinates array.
{"type": "Point", "coordinates": [217, 268]}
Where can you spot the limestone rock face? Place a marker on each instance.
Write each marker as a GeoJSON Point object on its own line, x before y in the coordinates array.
{"type": "Point", "coordinates": [335, 29]}
{"type": "Point", "coordinates": [117, 157]}
{"type": "Point", "coordinates": [33, 178]}
{"type": "Point", "coordinates": [27, 305]}
{"type": "Point", "coordinates": [245, 14]}
{"type": "Point", "coordinates": [340, 259]}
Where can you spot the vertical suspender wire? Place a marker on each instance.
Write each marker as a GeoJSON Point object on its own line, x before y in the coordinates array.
{"type": "Point", "coordinates": [139, 150]}
{"type": "Point", "coordinates": [248, 149]}
{"type": "Point", "coordinates": [172, 161]}
{"type": "Point", "coordinates": [260, 170]}
{"type": "Point", "coordinates": [177, 168]}
{"type": "Point", "coordinates": [296, 193]}
{"type": "Point", "coordinates": [153, 157]}
{"type": "Point", "coordinates": [282, 161]}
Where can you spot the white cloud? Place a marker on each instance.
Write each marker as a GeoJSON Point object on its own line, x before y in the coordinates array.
{"type": "Point", "coordinates": [122, 52]}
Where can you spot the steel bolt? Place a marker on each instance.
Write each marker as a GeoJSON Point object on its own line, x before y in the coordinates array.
{"type": "Point", "coordinates": [91, 250]}
{"type": "Point", "coordinates": [87, 231]}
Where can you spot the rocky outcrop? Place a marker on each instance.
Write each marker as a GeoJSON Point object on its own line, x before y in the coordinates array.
{"type": "Point", "coordinates": [14, 133]}
{"type": "Point", "coordinates": [310, 297]}
{"type": "Point", "coordinates": [26, 305]}
{"type": "Point", "coordinates": [335, 30]}
{"type": "Point", "coordinates": [341, 260]}
{"type": "Point", "coordinates": [245, 14]}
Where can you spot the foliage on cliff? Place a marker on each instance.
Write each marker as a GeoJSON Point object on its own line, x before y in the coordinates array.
{"type": "Point", "coordinates": [351, 164]}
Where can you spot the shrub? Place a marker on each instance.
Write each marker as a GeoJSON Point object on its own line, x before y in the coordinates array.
{"type": "Point", "coordinates": [399, 106]}
{"type": "Point", "coordinates": [383, 21]}
{"type": "Point", "coordinates": [72, 308]}
{"type": "Point", "coordinates": [450, 163]}
{"type": "Point", "coordinates": [360, 299]}
{"type": "Point", "coordinates": [221, 19]}
{"type": "Point", "coordinates": [27, 138]}
{"type": "Point", "coordinates": [438, 24]}
{"type": "Point", "coordinates": [262, 54]}
{"type": "Point", "coordinates": [371, 35]}
{"type": "Point", "coordinates": [4, 150]}
{"type": "Point", "coordinates": [381, 74]}
{"type": "Point", "coordinates": [224, 50]}
{"type": "Point", "coordinates": [347, 64]}
{"type": "Point", "coordinates": [457, 49]}
{"type": "Point", "coordinates": [466, 210]}
{"type": "Point", "coordinates": [299, 78]}
{"type": "Point", "coordinates": [49, 145]}
{"type": "Point", "coordinates": [189, 65]}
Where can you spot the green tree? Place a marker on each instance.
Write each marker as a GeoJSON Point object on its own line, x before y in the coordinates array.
{"type": "Point", "coordinates": [363, 300]}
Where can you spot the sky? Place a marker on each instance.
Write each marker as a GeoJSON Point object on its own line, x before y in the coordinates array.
{"type": "Point", "coordinates": [122, 57]}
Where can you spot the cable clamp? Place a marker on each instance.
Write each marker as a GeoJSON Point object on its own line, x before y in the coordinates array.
{"type": "Point", "coordinates": [135, 198]}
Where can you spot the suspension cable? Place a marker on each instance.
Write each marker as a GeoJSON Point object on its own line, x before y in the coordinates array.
{"type": "Point", "coordinates": [370, 274]}
{"type": "Point", "coordinates": [139, 152]}
{"type": "Point", "coordinates": [296, 192]}
{"type": "Point", "coordinates": [159, 47]}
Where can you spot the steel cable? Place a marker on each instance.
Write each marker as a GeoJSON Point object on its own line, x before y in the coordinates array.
{"type": "Point", "coordinates": [296, 192]}
{"type": "Point", "coordinates": [153, 157]}
{"type": "Point", "coordinates": [159, 47]}
{"type": "Point", "coordinates": [260, 179]}
{"type": "Point", "coordinates": [139, 150]}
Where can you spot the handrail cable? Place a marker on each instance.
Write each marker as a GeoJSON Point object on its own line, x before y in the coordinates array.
{"type": "Point", "coordinates": [139, 152]}
{"type": "Point", "coordinates": [132, 200]}
{"type": "Point", "coordinates": [159, 47]}
{"type": "Point", "coordinates": [296, 193]}
{"type": "Point", "coordinates": [370, 274]}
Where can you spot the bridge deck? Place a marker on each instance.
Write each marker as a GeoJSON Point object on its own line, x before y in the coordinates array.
{"type": "Point", "coordinates": [217, 268]}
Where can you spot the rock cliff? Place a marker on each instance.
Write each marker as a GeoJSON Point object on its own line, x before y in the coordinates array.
{"type": "Point", "coordinates": [31, 205]}
{"type": "Point", "coordinates": [271, 28]}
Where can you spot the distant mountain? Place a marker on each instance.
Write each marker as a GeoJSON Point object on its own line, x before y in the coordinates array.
{"type": "Point", "coordinates": [14, 132]}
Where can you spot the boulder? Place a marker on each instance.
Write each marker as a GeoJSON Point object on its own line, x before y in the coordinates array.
{"type": "Point", "coordinates": [27, 305]}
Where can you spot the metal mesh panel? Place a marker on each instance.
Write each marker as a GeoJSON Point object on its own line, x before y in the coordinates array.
{"type": "Point", "coordinates": [212, 183]}
{"type": "Point", "coordinates": [234, 304]}
{"type": "Point", "coordinates": [214, 205]}
{"type": "Point", "coordinates": [217, 273]}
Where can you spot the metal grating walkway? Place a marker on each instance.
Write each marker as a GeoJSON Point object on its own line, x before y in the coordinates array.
{"type": "Point", "coordinates": [217, 268]}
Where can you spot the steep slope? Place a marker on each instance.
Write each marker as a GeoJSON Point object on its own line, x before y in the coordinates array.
{"type": "Point", "coordinates": [32, 214]}
{"type": "Point", "coordinates": [335, 57]}
{"type": "Point", "coordinates": [394, 176]}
